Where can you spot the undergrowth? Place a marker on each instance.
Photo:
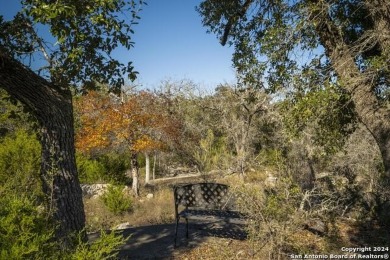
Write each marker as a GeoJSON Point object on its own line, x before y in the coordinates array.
{"type": "Point", "coordinates": [116, 200]}
{"type": "Point", "coordinates": [26, 232]}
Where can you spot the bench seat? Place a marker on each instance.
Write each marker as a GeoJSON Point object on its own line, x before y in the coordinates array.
{"type": "Point", "coordinates": [234, 217]}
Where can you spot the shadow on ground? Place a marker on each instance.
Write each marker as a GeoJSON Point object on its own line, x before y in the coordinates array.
{"type": "Point", "coordinates": [370, 233]}
{"type": "Point", "coordinates": [157, 241]}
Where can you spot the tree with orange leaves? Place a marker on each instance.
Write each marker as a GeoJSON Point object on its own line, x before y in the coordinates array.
{"type": "Point", "coordinates": [135, 122]}
{"type": "Point", "coordinates": [162, 131]}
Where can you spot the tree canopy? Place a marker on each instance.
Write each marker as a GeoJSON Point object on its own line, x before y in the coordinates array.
{"type": "Point", "coordinates": [135, 123]}
{"type": "Point", "coordinates": [343, 42]}
{"type": "Point", "coordinates": [273, 39]}
{"type": "Point", "coordinates": [82, 36]}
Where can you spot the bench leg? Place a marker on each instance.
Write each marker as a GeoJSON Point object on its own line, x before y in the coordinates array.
{"type": "Point", "coordinates": [187, 228]}
{"type": "Point", "coordinates": [176, 227]}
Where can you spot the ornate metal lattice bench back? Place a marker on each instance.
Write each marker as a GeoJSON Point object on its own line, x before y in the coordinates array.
{"type": "Point", "coordinates": [205, 201]}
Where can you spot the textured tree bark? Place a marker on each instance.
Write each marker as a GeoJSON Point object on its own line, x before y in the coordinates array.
{"type": "Point", "coordinates": [372, 113]}
{"type": "Point", "coordinates": [52, 106]}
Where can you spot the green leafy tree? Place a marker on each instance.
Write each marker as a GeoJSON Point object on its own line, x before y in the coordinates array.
{"type": "Point", "coordinates": [84, 35]}
{"type": "Point", "coordinates": [346, 41]}
{"type": "Point", "coordinates": [325, 115]}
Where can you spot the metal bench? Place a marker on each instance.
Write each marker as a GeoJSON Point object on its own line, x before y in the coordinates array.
{"type": "Point", "coordinates": [205, 201]}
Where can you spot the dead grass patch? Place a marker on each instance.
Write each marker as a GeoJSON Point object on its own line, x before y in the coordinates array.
{"type": "Point", "coordinates": [219, 249]}
{"type": "Point", "coordinates": [157, 210]}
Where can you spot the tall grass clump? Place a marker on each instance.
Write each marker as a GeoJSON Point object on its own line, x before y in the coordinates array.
{"type": "Point", "coordinates": [105, 247]}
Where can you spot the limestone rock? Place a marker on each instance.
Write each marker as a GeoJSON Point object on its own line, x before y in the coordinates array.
{"type": "Point", "coordinates": [125, 225]}
{"type": "Point", "coordinates": [94, 190]}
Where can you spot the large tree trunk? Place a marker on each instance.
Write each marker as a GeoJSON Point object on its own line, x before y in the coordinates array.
{"type": "Point", "coordinates": [52, 106]}
{"type": "Point", "coordinates": [371, 111]}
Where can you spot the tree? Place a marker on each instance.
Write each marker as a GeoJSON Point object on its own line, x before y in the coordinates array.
{"type": "Point", "coordinates": [159, 130]}
{"type": "Point", "coordinates": [181, 101]}
{"type": "Point", "coordinates": [86, 33]}
{"type": "Point", "coordinates": [133, 122]}
{"type": "Point", "coordinates": [237, 112]}
{"type": "Point", "coordinates": [347, 41]}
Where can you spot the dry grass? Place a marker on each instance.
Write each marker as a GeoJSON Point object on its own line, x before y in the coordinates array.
{"type": "Point", "coordinates": [157, 210]}
{"type": "Point", "coordinates": [160, 210]}
{"type": "Point", "coordinates": [99, 217]}
{"type": "Point", "coordinates": [303, 241]}
{"type": "Point", "coordinates": [219, 249]}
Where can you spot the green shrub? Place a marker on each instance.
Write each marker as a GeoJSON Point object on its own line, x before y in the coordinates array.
{"type": "Point", "coordinates": [212, 153]}
{"type": "Point", "coordinates": [105, 247]}
{"type": "Point", "coordinates": [116, 200]}
{"type": "Point", "coordinates": [90, 170]}
{"type": "Point", "coordinates": [20, 157]}
{"type": "Point", "coordinates": [24, 232]}
{"type": "Point", "coordinates": [116, 164]}
{"type": "Point", "coordinates": [282, 202]}
{"type": "Point", "coordinates": [108, 167]}
{"type": "Point", "coordinates": [271, 157]}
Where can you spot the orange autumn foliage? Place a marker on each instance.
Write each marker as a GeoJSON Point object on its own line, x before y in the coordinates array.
{"type": "Point", "coordinates": [136, 122]}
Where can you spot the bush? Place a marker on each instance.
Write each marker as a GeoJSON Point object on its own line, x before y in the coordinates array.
{"type": "Point", "coordinates": [212, 153]}
{"type": "Point", "coordinates": [116, 166]}
{"type": "Point", "coordinates": [20, 163]}
{"type": "Point", "coordinates": [26, 233]}
{"type": "Point", "coordinates": [109, 168]}
{"type": "Point", "coordinates": [274, 214]}
{"type": "Point", "coordinates": [274, 158]}
{"type": "Point", "coordinates": [105, 247]}
{"type": "Point", "coordinates": [90, 170]}
{"type": "Point", "coordinates": [116, 200]}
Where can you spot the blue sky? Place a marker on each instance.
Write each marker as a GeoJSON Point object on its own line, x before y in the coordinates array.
{"type": "Point", "coordinates": [170, 44]}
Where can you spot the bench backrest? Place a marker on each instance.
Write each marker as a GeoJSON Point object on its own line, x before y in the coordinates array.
{"type": "Point", "coordinates": [203, 195]}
